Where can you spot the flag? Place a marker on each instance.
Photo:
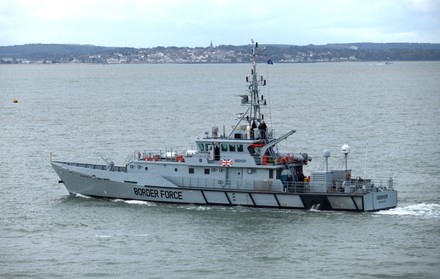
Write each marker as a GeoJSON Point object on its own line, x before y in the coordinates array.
{"type": "Point", "coordinates": [226, 163]}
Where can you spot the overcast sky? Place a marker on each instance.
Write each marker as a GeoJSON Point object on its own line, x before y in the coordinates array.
{"type": "Point", "coordinates": [150, 23]}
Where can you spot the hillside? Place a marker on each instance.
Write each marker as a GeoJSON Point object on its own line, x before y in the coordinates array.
{"type": "Point", "coordinates": [68, 53]}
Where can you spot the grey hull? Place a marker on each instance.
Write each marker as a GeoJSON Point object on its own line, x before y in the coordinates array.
{"type": "Point", "coordinates": [121, 185]}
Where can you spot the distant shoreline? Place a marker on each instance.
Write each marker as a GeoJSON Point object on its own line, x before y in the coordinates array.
{"type": "Point", "coordinates": [68, 53]}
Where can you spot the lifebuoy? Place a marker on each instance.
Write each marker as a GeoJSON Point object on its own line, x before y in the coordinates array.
{"type": "Point", "coordinates": [348, 176]}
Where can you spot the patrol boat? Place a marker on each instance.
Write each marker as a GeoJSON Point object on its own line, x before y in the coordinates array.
{"type": "Point", "coordinates": [239, 168]}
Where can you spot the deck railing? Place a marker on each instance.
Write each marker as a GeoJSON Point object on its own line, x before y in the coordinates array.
{"type": "Point", "coordinates": [96, 166]}
{"type": "Point", "coordinates": [234, 184]}
{"type": "Point", "coordinates": [297, 187]}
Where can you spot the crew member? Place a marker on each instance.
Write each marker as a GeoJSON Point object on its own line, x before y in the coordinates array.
{"type": "Point", "coordinates": [254, 126]}
{"type": "Point", "coordinates": [263, 128]}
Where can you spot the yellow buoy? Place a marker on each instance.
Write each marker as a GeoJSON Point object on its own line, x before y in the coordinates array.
{"type": "Point", "coordinates": [14, 101]}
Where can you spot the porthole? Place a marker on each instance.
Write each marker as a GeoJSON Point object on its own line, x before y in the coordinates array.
{"type": "Point", "coordinates": [175, 169]}
{"type": "Point", "coordinates": [131, 166]}
{"type": "Point", "coordinates": [139, 166]}
{"type": "Point", "coordinates": [146, 168]}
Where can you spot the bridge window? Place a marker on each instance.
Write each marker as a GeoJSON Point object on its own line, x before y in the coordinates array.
{"type": "Point", "coordinates": [201, 147]}
{"type": "Point", "coordinates": [239, 147]}
{"type": "Point", "coordinates": [232, 148]}
{"type": "Point", "coordinates": [224, 146]}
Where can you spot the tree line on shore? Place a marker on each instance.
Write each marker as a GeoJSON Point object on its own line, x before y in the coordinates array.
{"type": "Point", "coordinates": [65, 53]}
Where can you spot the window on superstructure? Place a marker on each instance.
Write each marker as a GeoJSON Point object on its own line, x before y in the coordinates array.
{"type": "Point", "coordinates": [206, 171]}
{"type": "Point", "coordinates": [191, 170]}
{"type": "Point", "coordinates": [201, 147]}
{"type": "Point", "coordinates": [224, 147]}
{"type": "Point", "coordinates": [270, 174]}
{"type": "Point", "coordinates": [232, 148]}
{"type": "Point", "coordinates": [239, 147]}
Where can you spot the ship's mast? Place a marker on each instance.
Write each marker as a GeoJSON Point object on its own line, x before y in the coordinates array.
{"type": "Point", "coordinates": [253, 115]}
{"type": "Point", "coordinates": [255, 82]}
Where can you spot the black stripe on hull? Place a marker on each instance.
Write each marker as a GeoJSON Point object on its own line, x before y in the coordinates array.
{"type": "Point", "coordinates": [278, 202]}
{"type": "Point", "coordinates": [315, 201]}
{"type": "Point", "coordinates": [229, 200]}
{"type": "Point", "coordinates": [355, 204]}
{"type": "Point", "coordinates": [252, 199]}
{"type": "Point", "coordinates": [203, 195]}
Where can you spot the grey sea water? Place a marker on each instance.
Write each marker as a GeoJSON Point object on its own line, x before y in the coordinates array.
{"type": "Point", "coordinates": [389, 114]}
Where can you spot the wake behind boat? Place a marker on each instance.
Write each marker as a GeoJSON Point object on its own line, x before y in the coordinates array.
{"type": "Point", "coordinates": [242, 167]}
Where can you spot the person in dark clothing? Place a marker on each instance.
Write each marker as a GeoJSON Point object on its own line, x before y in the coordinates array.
{"type": "Point", "coordinates": [263, 129]}
{"type": "Point", "coordinates": [300, 176]}
{"type": "Point", "coordinates": [254, 126]}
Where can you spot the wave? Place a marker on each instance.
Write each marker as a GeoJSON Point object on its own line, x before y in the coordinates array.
{"type": "Point", "coordinates": [104, 236]}
{"type": "Point", "coordinates": [135, 202]}
{"type": "Point", "coordinates": [426, 210]}
{"type": "Point", "coordinates": [78, 195]}
{"type": "Point", "coordinates": [198, 207]}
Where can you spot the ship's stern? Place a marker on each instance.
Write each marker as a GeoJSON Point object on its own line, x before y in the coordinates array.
{"type": "Point", "coordinates": [381, 200]}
